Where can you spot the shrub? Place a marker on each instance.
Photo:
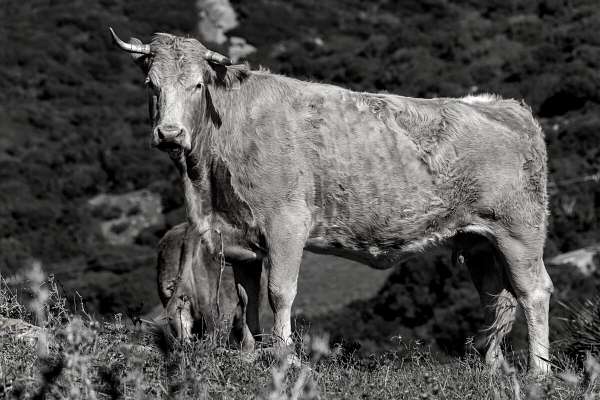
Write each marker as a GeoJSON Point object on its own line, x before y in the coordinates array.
{"type": "Point", "coordinates": [424, 299]}
{"type": "Point", "coordinates": [582, 328]}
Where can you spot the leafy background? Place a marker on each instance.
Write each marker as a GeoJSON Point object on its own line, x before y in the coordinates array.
{"type": "Point", "coordinates": [73, 125]}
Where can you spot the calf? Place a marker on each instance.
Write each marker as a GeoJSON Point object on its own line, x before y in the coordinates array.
{"type": "Point", "coordinates": [201, 296]}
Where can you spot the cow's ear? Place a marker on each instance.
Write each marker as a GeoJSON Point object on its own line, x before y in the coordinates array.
{"type": "Point", "coordinates": [138, 50]}
{"type": "Point", "coordinates": [229, 77]}
{"type": "Point", "coordinates": [142, 60]}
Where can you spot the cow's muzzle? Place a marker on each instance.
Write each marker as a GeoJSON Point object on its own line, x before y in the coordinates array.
{"type": "Point", "coordinates": [171, 138]}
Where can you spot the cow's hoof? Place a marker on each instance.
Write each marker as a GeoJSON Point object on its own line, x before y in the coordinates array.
{"type": "Point", "coordinates": [248, 357]}
{"type": "Point", "coordinates": [294, 360]}
{"type": "Point", "coordinates": [539, 368]}
{"type": "Point", "coordinates": [539, 375]}
{"type": "Point", "coordinates": [284, 354]}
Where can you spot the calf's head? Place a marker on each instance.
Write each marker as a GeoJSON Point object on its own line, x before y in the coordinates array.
{"type": "Point", "coordinates": [199, 295]}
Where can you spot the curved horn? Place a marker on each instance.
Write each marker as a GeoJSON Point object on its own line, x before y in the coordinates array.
{"type": "Point", "coordinates": [238, 253]}
{"type": "Point", "coordinates": [213, 56]}
{"type": "Point", "coordinates": [138, 48]}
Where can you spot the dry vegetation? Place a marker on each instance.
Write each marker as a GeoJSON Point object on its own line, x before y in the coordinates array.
{"type": "Point", "coordinates": [62, 352]}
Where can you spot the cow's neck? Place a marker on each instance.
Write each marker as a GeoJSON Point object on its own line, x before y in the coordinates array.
{"type": "Point", "coordinates": [229, 111]}
{"type": "Point", "coordinates": [219, 151]}
{"type": "Point", "coordinates": [196, 191]}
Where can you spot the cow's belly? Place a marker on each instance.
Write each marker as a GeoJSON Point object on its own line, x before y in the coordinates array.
{"type": "Point", "coordinates": [370, 186]}
{"type": "Point", "coordinates": [380, 232]}
{"type": "Point", "coordinates": [372, 211]}
{"type": "Point", "coordinates": [379, 216]}
{"type": "Point", "coordinates": [373, 256]}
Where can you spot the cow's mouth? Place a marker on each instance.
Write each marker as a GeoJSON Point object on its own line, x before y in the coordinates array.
{"type": "Point", "coordinates": [168, 145]}
{"type": "Point", "coordinates": [173, 148]}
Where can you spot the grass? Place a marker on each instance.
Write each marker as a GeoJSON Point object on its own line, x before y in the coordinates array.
{"type": "Point", "coordinates": [83, 358]}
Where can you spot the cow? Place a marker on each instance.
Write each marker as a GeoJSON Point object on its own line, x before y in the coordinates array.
{"type": "Point", "coordinates": [202, 296]}
{"type": "Point", "coordinates": [371, 177]}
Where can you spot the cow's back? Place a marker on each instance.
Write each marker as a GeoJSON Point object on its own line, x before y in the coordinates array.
{"type": "Point", "coordinates": [380, 171]}
{"type": "Point", "coordinates": [389, 170]}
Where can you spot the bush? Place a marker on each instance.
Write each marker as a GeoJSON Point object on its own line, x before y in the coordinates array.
{"type": "Point", "coordinates": [74, 119]}
{"type": "Point", "coordinates": [582, 328]}
{"type": "Point", "coordinates": [424, 299]}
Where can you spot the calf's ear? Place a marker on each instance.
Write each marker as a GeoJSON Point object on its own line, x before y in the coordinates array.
{"type": "Point", "coordinates": [239, 254]}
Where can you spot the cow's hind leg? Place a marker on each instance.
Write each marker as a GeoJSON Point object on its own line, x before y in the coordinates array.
{"type": "Point", "coordinates": [499, 304]}
{"type": "Point", "coordinates": [532, 286]}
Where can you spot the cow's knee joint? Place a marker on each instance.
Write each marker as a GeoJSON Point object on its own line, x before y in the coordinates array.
{"type": "Point", "coordinates": [281, 295]}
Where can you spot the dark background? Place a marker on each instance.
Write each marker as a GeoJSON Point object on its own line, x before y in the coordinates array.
{"type": "Point", "coordinates": [73, 125]}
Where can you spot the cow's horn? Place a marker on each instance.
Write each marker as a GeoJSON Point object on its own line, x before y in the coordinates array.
{"type": "Point", "coordinates": [216, 57]}
{"type": "Point", "coordinates": [238, 253]}
{"type": "Point", "coordinates": [138, 48]}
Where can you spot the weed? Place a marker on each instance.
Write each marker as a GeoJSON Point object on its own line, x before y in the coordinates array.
{"type": "Point", "coordinates": [88, 360]}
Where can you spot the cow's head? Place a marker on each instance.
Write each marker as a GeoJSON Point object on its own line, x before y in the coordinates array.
{"type": "Point", "coordinates": [177, 72]}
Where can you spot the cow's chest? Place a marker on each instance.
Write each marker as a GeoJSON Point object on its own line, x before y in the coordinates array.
{"type": "Point", "coordinates": [226, 201]}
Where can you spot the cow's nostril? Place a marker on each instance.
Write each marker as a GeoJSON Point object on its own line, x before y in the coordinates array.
{"type": "Point", "coordinates": [169, 132]}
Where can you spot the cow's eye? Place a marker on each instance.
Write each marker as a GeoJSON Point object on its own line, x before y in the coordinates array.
{"type": "Point", "coordinates": [148, 82]}
{"type": "Point", "coordinates": [153, 107]}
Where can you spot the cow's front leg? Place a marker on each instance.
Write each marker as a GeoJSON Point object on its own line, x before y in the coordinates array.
{"type": "Point", "coordinates": [286, 234]}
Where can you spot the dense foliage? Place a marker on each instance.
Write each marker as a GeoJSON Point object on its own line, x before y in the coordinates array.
{"type": "Point", "coordinates": [74, 124]}
{"type": "Point", "coordinates": [431, 301]}
{"type": "Point", "coordinates": [73, 115]}
{"type": "Point", "coordinates": [426, 299]}
{"type": "Point", "coordinates": [546, 52]}
{"type": "Point", "coordinates": [72, 112]}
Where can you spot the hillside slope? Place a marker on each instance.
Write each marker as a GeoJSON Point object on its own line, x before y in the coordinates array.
{"type": "Point", "coordinates": [546, 52]}
{"type": "Point", "coordinates": [73, 115]}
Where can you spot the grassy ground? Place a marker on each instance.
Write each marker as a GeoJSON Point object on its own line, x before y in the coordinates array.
{"type": "Point", "coordinates": [74, 356]}
{"type": "Point", "coordinates": [110, 362]}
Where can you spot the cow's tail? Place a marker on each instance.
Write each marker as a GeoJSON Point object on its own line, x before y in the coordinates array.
{"type": "Point", "coordinates": [486, 266]}
{"type": "Point", "coordinates": [504, 307]}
